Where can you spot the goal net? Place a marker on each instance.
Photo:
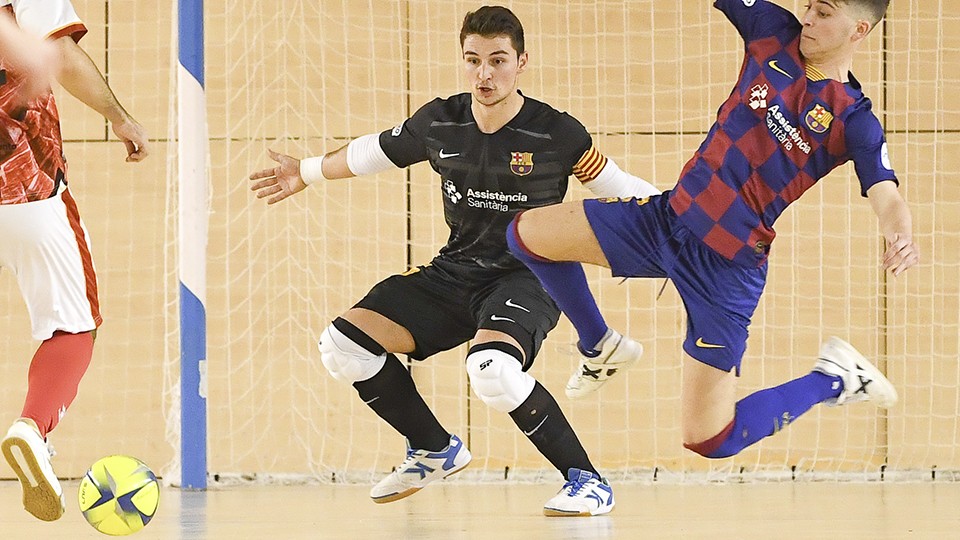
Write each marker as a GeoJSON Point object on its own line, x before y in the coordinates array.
{"type": "Point", "coordinates": [645, 77]}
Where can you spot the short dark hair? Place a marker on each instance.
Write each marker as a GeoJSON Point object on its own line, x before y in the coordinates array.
{"type": "Point", "coordinates": [875, 9]}
{"type": "Point", "coordinates": [493, 21]}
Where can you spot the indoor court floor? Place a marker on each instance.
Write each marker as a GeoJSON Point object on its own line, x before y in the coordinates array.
{"type": "Point", "coordinates": [781, 511]}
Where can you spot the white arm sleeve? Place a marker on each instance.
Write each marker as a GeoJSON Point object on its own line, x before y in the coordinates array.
{"type": "Point", "coordinates": [613, 182]}
{"type": "Point", "coordinates": [365, 156]}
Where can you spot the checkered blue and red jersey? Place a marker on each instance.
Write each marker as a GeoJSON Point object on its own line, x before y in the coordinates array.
{"type": "Point", "coordinates": [783, 128]}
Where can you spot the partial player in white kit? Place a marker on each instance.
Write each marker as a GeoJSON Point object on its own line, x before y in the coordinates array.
{"type": "Point", "coordinates": [43, 241]}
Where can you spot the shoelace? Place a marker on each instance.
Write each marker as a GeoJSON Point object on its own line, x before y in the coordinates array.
{"type": "Point", "coordinates": [573, 487]}
{"type": "Point", "coordinates": [411, 457]}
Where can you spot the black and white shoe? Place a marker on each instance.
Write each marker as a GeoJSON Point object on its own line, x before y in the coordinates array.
{"type": "Point", "coordinates": [861, 380]}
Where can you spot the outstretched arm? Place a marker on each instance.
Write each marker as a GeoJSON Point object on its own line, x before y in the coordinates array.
{"type": "Point", "coordinates": [896, 225]}
{"type": "Point", "coordinates": [292, 175]}
{"type": "Point", "coordinates": [81, 77]}
{"type": "Point", "coordinates": [361, 156]}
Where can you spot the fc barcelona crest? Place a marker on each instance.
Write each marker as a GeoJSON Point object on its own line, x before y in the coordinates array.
{"type": "Point", "coordinates": [521, 163]}
{"type": "Point", "coordinates": [818, 119]}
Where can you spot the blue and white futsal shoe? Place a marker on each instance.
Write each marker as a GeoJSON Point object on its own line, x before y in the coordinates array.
{"type": "Point", "coordinates": [419, 469]}
{"type": "Point", "coordinates": [616, 354]}
{"type": "Point", "coordinates": [861, 380]}
{"type": "Point", "coordinates": [584, 494]}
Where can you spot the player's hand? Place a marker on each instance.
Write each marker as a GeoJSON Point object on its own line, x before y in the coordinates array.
{"type": "Point", "coordinates": [134, 138]}
{"type": "Point", "coordinates": [901, 254]}
{"type": "Point", "coordinates": [278, 182]}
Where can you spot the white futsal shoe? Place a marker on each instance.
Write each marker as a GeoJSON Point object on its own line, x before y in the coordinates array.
{"type": "Point", "coordinates": [861, 380]}
{"type": "Point", "coordinates": [29, 456]}
{"type": "Point", "coordinates": [617, 354]}
{"type": "Point", "coordinates": [419, 469]}
{"type": "Point", "coordinates": [584, 494]}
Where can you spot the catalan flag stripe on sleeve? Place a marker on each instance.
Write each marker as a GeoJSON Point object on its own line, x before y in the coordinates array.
{"type": "Point", "coordinates": [590, 165]}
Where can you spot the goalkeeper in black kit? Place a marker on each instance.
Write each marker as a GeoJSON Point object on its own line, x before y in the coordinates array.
{"type": "Point", "coordinates": [497, 152]}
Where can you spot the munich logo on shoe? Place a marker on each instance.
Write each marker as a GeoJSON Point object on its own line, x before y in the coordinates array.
{"type": "Point", "coordinates": [419, 468]}
{"type": "Point", "coordinates": [597, 373]}
{"type": "Point", "coordinates": [592, 373]}
{"type": "Point", "coordinates": [863, 383]}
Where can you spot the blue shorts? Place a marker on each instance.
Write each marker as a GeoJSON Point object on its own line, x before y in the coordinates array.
{"type": "Point", "coordinates": [644, 238]}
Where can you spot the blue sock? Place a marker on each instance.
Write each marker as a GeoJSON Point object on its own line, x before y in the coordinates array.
{"type": "Point", "coordinates": [768, 411]}
{"type": "Point", "coordinates": [567, 284]}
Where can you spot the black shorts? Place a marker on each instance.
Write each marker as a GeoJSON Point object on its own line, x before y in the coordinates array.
{"type": "Point", "coordinates": [443, 305]}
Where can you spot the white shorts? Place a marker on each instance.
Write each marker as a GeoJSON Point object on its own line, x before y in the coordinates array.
{"type": "Point", "coordinates": [46, 246]}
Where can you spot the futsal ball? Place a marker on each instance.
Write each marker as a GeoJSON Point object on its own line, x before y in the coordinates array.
{"type": "Point", "coordinates": [119, 495]}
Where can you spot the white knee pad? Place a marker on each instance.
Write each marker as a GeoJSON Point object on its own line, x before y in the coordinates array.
{"type": "Point", "coordinates": [498, 379]}
{"type": "Point", "coordinates": [345, 360]}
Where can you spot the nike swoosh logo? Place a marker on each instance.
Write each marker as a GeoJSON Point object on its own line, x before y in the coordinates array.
{"type": "Point", "coordinates": [704, 345]}
{"type": "Point", "coordinates": [534, 430]}
{"type": "Point", "coordinates": [445, 156]}
{"type": "Point", "coordinates": [773, 64]}
{"type": "Point", "coordinates": [509, 303]}
{"type": "Point", "coordinates": [496, 318]}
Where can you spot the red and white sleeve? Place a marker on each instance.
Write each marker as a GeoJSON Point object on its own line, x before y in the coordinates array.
{"type": "Point", "coordinates": [49, 19]}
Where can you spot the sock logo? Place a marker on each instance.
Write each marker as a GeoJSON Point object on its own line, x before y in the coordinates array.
{"type": "Point", "coordinates": [782, 422]}
{"type": "Point", "coordinates": [534, 430]}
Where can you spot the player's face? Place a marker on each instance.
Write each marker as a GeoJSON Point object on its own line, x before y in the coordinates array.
{"type": "Point", "coordinates": [829, 30]}
{"type": "Point", "coordinates": [491, 67]}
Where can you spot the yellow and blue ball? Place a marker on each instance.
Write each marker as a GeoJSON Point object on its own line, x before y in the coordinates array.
{"type": "Point", "coordinates": [119, 495]}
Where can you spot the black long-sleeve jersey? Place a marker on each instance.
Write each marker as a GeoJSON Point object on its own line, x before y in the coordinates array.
{"type": "Point", "coordinates": [487, 178]}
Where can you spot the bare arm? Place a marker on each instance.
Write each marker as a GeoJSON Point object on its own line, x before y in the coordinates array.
{"type": "Point", "coordinates": [286, 178]}
{"type": "Point", "coordinates": [81, 77]}
{"type": "Point", "coordinates": [896, 225]}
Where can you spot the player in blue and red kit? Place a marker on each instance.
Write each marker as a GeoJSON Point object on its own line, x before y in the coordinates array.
{"type": "Point", "coordinates": [795, 114]}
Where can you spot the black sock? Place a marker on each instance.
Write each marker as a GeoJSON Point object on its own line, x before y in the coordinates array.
{"type": "Point", "coordinates": [392, 394]}
{"type": "Point", "coordinates": [542, 421]}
